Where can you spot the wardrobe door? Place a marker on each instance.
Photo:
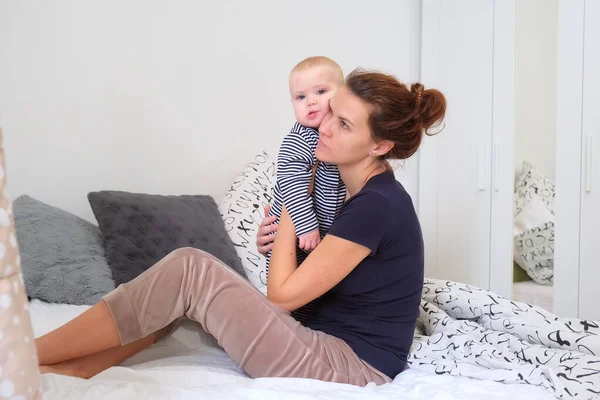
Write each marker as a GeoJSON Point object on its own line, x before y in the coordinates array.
{"type": "Point", "coordinates": [568, 157]}
{"type": "Point", "coordinates": [455, 165]}
{"type": "Point", "coordinates": [589, 259]}
{"type": "Point", "coordinates": [503, 139]}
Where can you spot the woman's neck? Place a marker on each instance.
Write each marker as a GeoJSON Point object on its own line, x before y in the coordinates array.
{"type": "Point", "coordinates": [355, 176]}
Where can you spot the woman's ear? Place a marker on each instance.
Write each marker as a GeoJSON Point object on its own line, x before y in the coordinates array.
{"type": "Point", "coordinates": [383, 147]}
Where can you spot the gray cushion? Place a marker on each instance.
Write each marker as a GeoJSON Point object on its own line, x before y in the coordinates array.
{"type": "Point", "coordinates": [140, 229]}
{"type": "Point", "coordinates": [61, 254]}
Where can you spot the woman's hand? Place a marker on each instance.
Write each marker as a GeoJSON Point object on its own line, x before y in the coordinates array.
{"type": "Point", "coordinates": [266, 233]}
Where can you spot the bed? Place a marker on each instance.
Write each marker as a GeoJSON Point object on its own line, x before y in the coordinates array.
{"type": "Point", "coordinates": [469, 343]}
{"type": "Point", "coordinates": [190, 365]}
{"type": "Point", "coordinates": [534, 293]}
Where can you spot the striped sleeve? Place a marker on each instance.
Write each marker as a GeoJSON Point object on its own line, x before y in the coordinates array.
{"type": "Point", "coordinates": [294, 172]}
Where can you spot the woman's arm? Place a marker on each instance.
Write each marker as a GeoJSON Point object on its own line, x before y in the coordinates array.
{"type": "Point", "coordinates": [330, 262]}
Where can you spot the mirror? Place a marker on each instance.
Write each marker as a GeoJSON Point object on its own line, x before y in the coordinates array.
{"type": "Point", "coordinates": [535, 152]}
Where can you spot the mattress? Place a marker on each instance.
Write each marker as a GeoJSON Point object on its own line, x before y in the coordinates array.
{"type": "Point", "coordinates": [533, 293]}
{"type": "Point", "coordinates": [190, 365]}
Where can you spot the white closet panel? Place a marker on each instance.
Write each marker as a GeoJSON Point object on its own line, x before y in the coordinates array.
{"type": "Point", "coordinates": [503, 140]}
{"type": "Point", "coordinates": [463, 72]}
{"type": "Point", "coordinates": [576, 264]}
{"type": "Point", "coordinates": [568, 157]}
{"type": "Point", "coordinates": [468, 54]}
{"type": "Point", "coordinates": [589, 263]}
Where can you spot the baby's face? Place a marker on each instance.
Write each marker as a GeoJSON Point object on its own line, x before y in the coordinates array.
{"type": "Point", "coordinates": [311, 90]}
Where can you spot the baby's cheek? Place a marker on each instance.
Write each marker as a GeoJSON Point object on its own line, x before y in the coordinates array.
{"type": "Point", "coordinates": [330, 94]}
{"type": "Point", "coordinates": [297, 109]}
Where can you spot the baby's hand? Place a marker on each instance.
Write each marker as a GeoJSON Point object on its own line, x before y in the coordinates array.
{"type": "Point", "coordinates": [309, 240]}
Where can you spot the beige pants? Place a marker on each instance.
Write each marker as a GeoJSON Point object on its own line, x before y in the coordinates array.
{"type": "Point", "coordinates": [263, 339]}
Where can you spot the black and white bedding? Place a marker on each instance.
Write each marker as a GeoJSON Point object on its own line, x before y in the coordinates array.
{"type": "Point", "coordinates": [469, 344]}
{"type": "Point", "coordinates": [190, 365]}
{"type": "Point", "coordinates": [467, 331]}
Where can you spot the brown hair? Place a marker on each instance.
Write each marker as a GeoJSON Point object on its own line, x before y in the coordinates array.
{"type": "Point", "coordinates": [321, 61]}
{"type": "Point", "coordinates": [397, 113]}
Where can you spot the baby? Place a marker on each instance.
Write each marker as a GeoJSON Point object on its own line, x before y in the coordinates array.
{"type": "Point", "coordinates": [312, 83]}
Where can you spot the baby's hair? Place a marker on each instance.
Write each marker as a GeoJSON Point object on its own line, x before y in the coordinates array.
{"type": "Point", "coordinates": [320, 61]}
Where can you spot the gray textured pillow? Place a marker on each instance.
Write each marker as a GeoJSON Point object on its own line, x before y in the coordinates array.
{"type": "Point", "coordinates": [61, 254]}
{"type": "Point", "coordinates": [140, 229]}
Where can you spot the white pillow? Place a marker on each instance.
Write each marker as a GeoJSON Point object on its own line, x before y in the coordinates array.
{"type": "Point", "coordinates": [534, 250]}
{"type": "Point", "coordinates": [242, 210]}
{"type": "Point", "coordinates": [534, 213]}
{"type": "Point", "coordinates": [533, 227]}
{"type": "Point", "coordinates": [532, 183]}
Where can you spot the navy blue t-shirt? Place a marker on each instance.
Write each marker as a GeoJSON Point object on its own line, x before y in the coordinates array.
{"type": "Point", "coordinates": [375, 308]}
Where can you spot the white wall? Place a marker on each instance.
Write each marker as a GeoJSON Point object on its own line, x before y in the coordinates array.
{"type": "Point", "coordinates": [535, 120]}
{"type": "Point", "coordinates": [171, 97]}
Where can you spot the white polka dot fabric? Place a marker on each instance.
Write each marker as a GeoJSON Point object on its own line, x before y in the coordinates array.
{"type": "Point", "coordinates": [19, 372]}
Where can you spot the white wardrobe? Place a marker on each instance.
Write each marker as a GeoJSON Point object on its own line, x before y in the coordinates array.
{"type": "Point", "coordinates": [466, 172]}
{"type": "Point", "coordinates": [577, 261]}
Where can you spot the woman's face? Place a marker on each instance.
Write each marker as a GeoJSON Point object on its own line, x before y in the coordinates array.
{"type": "Point", "coordinates": [344, 134]}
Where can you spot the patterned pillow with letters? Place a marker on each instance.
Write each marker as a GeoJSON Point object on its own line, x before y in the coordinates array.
{"type": "Point", "coordinates": [242, 210]}
{"type": "Point", "coordinates": [530, 183]}
{"type": "Point", "coordinates": [533, 201]}
{"type": "Point", "coordinates": [535, 252]}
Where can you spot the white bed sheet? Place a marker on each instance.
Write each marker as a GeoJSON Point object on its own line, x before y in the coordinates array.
{"type": "Point", "coordinates": [531, 292]}
{"type": "Point", "coordinates": [190, 365]}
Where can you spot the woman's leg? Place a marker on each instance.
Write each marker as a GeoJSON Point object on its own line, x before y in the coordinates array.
{"type": "Point", "coordinates": [92, 364]}
{"type": "Point", "coordinates": [88, 333]}
{"type": "Point", "coordinates": [262, 338]}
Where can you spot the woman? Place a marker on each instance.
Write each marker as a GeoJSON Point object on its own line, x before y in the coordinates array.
{"type": "Point", "coordinates": [367, 272]}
